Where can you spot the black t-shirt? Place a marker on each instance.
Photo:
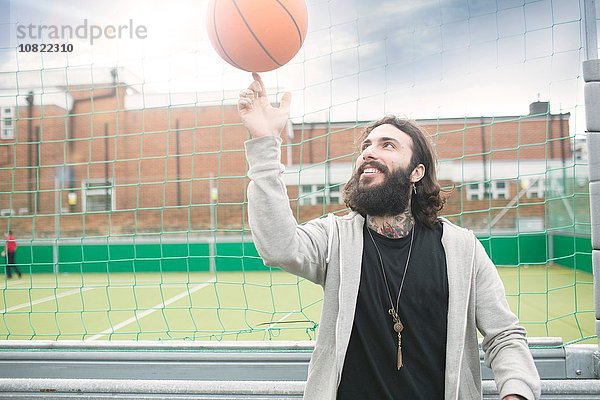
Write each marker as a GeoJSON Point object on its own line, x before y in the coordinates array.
{"type": "Point", "coordinates": [370, 370]}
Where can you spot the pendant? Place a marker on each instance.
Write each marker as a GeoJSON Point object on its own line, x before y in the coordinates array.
{"type": "Point", "coordinates": [398, 328]}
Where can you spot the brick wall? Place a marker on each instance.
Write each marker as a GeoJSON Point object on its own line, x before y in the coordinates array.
{"type": "Point", "coordinates": [163, 162]}
{"type": "Point", "coordinates": [535, 137]}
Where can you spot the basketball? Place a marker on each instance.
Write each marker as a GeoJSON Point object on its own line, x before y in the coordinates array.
{"type": "Point", "coordinates": [257, 35]}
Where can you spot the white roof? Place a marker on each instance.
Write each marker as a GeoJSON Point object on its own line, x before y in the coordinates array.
{"type": "Point", "coordinates": [453, 170]}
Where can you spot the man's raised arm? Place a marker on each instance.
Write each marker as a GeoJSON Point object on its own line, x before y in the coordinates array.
{"type": "Point", "coordinates": [279, 240]}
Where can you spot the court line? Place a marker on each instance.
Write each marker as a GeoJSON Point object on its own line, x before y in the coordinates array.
{"type": "Point", "coordinates": [149, 311]}
{"type": "Point", "coordinates": [45, 299]}
{"type": "Point", "coordinates": [272, 324]}
{"type": "Point", "coordinates": [19, 283]}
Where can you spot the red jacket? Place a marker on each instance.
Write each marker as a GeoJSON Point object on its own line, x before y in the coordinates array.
{"type": "Point", "coordinates": [11, 244]}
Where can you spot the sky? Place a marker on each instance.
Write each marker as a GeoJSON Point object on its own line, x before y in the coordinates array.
{"type": "Point", "coordinates": [361, 58]}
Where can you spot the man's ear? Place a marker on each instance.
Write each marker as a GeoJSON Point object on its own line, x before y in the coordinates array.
{"type": "Point", "coordinates": [418, 173]}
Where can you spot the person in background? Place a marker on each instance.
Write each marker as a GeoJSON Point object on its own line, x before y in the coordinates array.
{"type": "Point", "coordinates": [10, 250]}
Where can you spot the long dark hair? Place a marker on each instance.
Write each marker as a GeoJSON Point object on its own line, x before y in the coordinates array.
{"type": "Point", "coordinates": [429, 198]}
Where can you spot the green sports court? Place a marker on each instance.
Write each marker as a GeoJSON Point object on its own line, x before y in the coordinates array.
{"type": "Point", "coordinates": [241, 300]}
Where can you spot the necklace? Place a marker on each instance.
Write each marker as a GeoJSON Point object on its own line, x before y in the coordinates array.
{"type": "Point", "coordinates": [398, 327]}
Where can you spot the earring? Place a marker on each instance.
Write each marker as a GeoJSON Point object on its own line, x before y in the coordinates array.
{"type": "Point", "coordinates": [414, 188]}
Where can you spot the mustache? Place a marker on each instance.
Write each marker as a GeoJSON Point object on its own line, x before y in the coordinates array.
{"type": "Point", "coordinates": [373, 164]}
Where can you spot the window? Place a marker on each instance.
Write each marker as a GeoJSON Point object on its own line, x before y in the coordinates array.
{"type": "Point", "coordinates": [98, 195]}
{"type": "Point", "coordinates": [479, 190]}
{"type": "Point", "coordinates": [7, 128]}
{"type": "Point", "coordinates": [530, 224]}
{"type": "Point", "coordinates": [319, 194]}
{"type": "Point", "coordinates": [335, 195]}
{"type": "Point", "coordinates": [535, 188]}
{"type": "Point", "coordinates": [500, 190]}
{"type": "Point", "coordinates": [475, 191]}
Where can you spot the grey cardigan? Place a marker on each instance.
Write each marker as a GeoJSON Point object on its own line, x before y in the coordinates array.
{"type": "Point", "coordinates": [328, 251]}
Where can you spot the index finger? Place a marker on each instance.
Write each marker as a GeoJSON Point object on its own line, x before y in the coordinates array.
{"type": "Point", "coordinates": [261, 92]}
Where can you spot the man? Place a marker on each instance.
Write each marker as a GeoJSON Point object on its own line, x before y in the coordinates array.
{"type": "Point", "coordinates": [9, 252]}
{"type": "Point", "coordinates": [404, 291]}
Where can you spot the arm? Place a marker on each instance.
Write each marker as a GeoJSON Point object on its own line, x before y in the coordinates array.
{"type": "Point", "coordinates": [504, 342]}
{"type": "Point", "coordinates": [278, 238]}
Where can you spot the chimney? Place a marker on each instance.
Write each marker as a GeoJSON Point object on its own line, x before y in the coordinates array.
{"type": "Point", "coordinates": [539, 107]}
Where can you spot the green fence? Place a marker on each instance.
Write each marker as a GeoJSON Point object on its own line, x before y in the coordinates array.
{"type": "Point", "coordinates": [521, 249]}
{"type": "Point", "coordinates": [130, 258]}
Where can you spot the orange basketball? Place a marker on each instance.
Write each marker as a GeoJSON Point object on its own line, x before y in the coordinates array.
{"type": "Point", "coordinates": [257, 35]}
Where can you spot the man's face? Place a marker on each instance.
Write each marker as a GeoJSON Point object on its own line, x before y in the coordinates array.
{"type": "Point", "coordinates": [380, 185]}
{"type": "Point", "coordinates": [384, 151]}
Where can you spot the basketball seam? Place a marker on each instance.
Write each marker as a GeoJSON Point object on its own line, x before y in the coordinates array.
{"type": "Point", "coordinates": [219, 39]}
{"type": "Point", "coordinates": [293, 20]}
{"type": "Point", "coordinates": [254, 34]}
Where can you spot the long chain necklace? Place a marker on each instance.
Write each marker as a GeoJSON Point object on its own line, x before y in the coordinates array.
{"type": "Point", "coordinates": [398, 326]}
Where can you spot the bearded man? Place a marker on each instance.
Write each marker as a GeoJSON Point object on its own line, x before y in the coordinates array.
{"type": "Point", "coordinates": [405, 291]}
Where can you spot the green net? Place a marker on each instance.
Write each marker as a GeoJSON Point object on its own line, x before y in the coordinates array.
{"type": "Point", "coordinates": [123, 175]}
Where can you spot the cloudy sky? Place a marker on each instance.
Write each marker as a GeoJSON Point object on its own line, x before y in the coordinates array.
{"type": "Point", "coordinates": [361, 58]}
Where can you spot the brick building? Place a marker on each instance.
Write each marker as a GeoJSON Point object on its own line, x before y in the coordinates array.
{"type": "Point", "coordinates": [108, 162]}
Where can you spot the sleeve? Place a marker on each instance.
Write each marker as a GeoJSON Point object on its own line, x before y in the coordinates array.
{"type": "Point", "coordinates": [280, 241]}
{"type": "Point", "coordinates": [504, 339]}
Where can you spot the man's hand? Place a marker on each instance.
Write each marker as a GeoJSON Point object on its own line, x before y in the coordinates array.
{"type": "Point", "coordinates": [259, 117]}
{"type": "Point", "coordinates": [514, 397]}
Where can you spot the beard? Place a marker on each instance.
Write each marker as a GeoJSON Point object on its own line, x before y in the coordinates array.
{"type": "Point", "coordinates": [391, 197]}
